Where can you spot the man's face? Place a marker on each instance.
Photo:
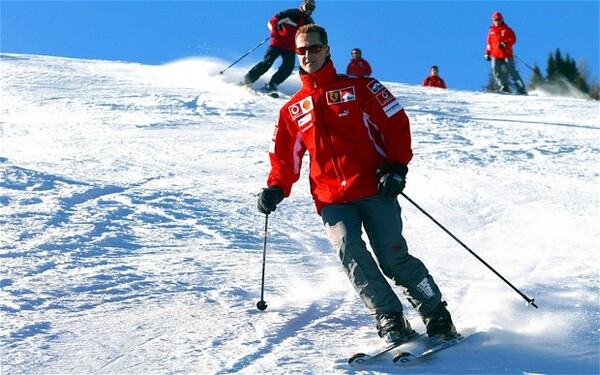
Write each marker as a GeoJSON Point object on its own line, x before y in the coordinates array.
{"type": "Point", "coordinates": [311, 52]}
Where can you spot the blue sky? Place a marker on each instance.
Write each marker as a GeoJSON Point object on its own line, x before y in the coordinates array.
{"type": "Point", "coordinates": [401, 39]}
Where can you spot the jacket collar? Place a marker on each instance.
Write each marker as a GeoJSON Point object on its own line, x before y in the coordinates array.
{"type": "Point", "coordinates": [319, 78]}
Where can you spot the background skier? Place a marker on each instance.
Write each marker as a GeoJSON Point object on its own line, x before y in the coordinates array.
{"type": "Point", "coordinates": [499, 50]}
{"type": "Point", "coordinates": [358, 66]}
{"type": "Point", "coordinates": [283, 27]}
{"type": "Point", "coordinates": [434, 79]}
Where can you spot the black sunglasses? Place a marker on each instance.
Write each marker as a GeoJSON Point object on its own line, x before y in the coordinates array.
{"type": "Point", "coordinates": [312, 49]}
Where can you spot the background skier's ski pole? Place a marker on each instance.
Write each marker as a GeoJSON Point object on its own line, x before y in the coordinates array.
{"type": "Point", "coordinates": [529, 300]}
{"type": "Point", "coordinates": [246, 54]}
{"type": "Point", "coordinates": [527, 65]}
{"type": "Point", "coordinates": [262, 305]}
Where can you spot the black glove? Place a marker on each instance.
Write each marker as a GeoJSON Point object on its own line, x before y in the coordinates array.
{"type": "Point", "coordinates": [391, 184]}
{"type": "Point", "coordinates": [392, 179]}
{"type": "Point", "coordinates": [502, 45]}
{"type": "Point", "coordinates": [487, 57]}
{"type": "Point", "coordinates": [268, 199]}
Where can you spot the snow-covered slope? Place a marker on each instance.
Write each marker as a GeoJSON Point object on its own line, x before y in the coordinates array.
{"type": "Point", "coordinates": [130, 241]}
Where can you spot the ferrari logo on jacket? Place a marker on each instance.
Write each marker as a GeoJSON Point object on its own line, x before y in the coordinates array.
{"type": "Point", "coordinates": [341, 96]}
{"type": "Point", "coordinates": [333, 97]}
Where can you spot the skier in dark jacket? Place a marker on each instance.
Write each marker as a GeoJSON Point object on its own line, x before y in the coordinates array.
{"type": "Point", "coordinates": [357, 136]}
{"type": "Point", "coordinates": [283, 28]}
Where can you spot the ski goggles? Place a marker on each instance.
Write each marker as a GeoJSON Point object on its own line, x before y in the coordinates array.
{"type": "Point", "coordinates": [312, 49]}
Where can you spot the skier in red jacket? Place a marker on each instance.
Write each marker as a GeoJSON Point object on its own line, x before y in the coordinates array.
{"type": "Point", "coordinates": [499, 50]}
{"type": "Point", "coordinates": [358, 139]}
{"type": "Point", "coordinates": [283, 27]}
{"type": "Point", "coordinates": [434, 79]}
{"type": "Point", "coordinates": [358, 67]}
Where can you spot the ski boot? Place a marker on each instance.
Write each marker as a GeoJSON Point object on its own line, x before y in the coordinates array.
{"type": "Point", "coordinates": [394, 328]}
{"type": "Point", "coordinates": [271, 87]}
{"type": "Point", "coordinates": [439, 323]}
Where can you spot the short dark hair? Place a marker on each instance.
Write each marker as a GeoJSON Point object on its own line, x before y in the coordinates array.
{"type": "Point", "coordinates": [314, 28]}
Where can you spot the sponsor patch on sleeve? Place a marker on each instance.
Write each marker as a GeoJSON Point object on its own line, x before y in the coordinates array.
{"type": "Point", "coordinates": [375, 86]}
{"type": "Point", "coordinates": [392, 108]}
{"type": "Point", "coordinates": [384, 97]}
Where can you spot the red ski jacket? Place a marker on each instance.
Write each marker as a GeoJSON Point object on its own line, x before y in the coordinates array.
{"type": "Point", "coordinates": [500, 34]}
{"type": "Point", "coordinates": [359, 68]}
{"type": "Point", "coordinates": [434, 81]}
{"type": "Point", "coordinates": [283, 27]}
{"type": "Point", "coordinates": [349, 126]}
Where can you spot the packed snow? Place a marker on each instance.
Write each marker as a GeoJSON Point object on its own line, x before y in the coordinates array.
{"type": "Point", "coordinates": [130, 240]}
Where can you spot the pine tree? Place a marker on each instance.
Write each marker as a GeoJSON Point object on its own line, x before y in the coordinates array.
{"type": "Point", "coordinates": [562, 72]}
{"type": "Point", "coordinates": [537, 78]}
{"type": "Point", "coordinates": [582, 80]}
{"type": "Point", "coordinates": [553, 65]}
{"type": "Point", "coordinates": [595, 90]}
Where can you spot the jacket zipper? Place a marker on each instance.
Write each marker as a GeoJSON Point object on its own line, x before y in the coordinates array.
{"type": "Point", "coordinates": [336, 166]}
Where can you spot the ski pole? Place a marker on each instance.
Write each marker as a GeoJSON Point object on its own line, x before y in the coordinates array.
{"type": "Point", "coordinates": [527, 65]}
{"type": "Point", "coordinates": [530, 301]}
{"type": "Point", "coordinates": [246, 54]}
{"type": "Point", "coordinates": [262, 305]}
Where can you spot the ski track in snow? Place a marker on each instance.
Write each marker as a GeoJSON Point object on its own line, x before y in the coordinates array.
{"type": "Point", "coordinates": [130, 241]}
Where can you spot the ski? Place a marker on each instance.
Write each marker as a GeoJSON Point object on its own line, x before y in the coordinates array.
{"type": "Point", "coordinates": [512, 93]}
{"type": "Point", "coordinates": [272, 93]}
{"type": "Point", "coordinates": [433, 346]}
{"type": "Point", "coordinates": [508, 93]}
{"type": "Point", "coordinates": [362, 358]}
{"type": "Point", "coordinates": [263, 91]}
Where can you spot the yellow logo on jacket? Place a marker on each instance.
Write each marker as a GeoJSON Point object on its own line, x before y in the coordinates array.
{"type": "Point", "coordinates": [301, 107]}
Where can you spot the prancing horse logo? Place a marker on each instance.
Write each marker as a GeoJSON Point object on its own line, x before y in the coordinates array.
{"type": "Point", "coordinates": [334, 96]}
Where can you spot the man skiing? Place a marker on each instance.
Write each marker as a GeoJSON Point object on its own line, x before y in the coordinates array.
{"type": "Point", "coordinates": [283, 27]}
{"type": "Point", "coordinates": [499, 51]}
{"type": "Point", "coordinates": [434, 79]}
{"type": "Point", "coordinates": [359, 142]}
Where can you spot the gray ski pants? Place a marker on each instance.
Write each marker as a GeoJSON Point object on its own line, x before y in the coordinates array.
{"type": "Point", "coordinates": [505, 68]}
{"type": "Point", "coordinates": [382, 222]}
